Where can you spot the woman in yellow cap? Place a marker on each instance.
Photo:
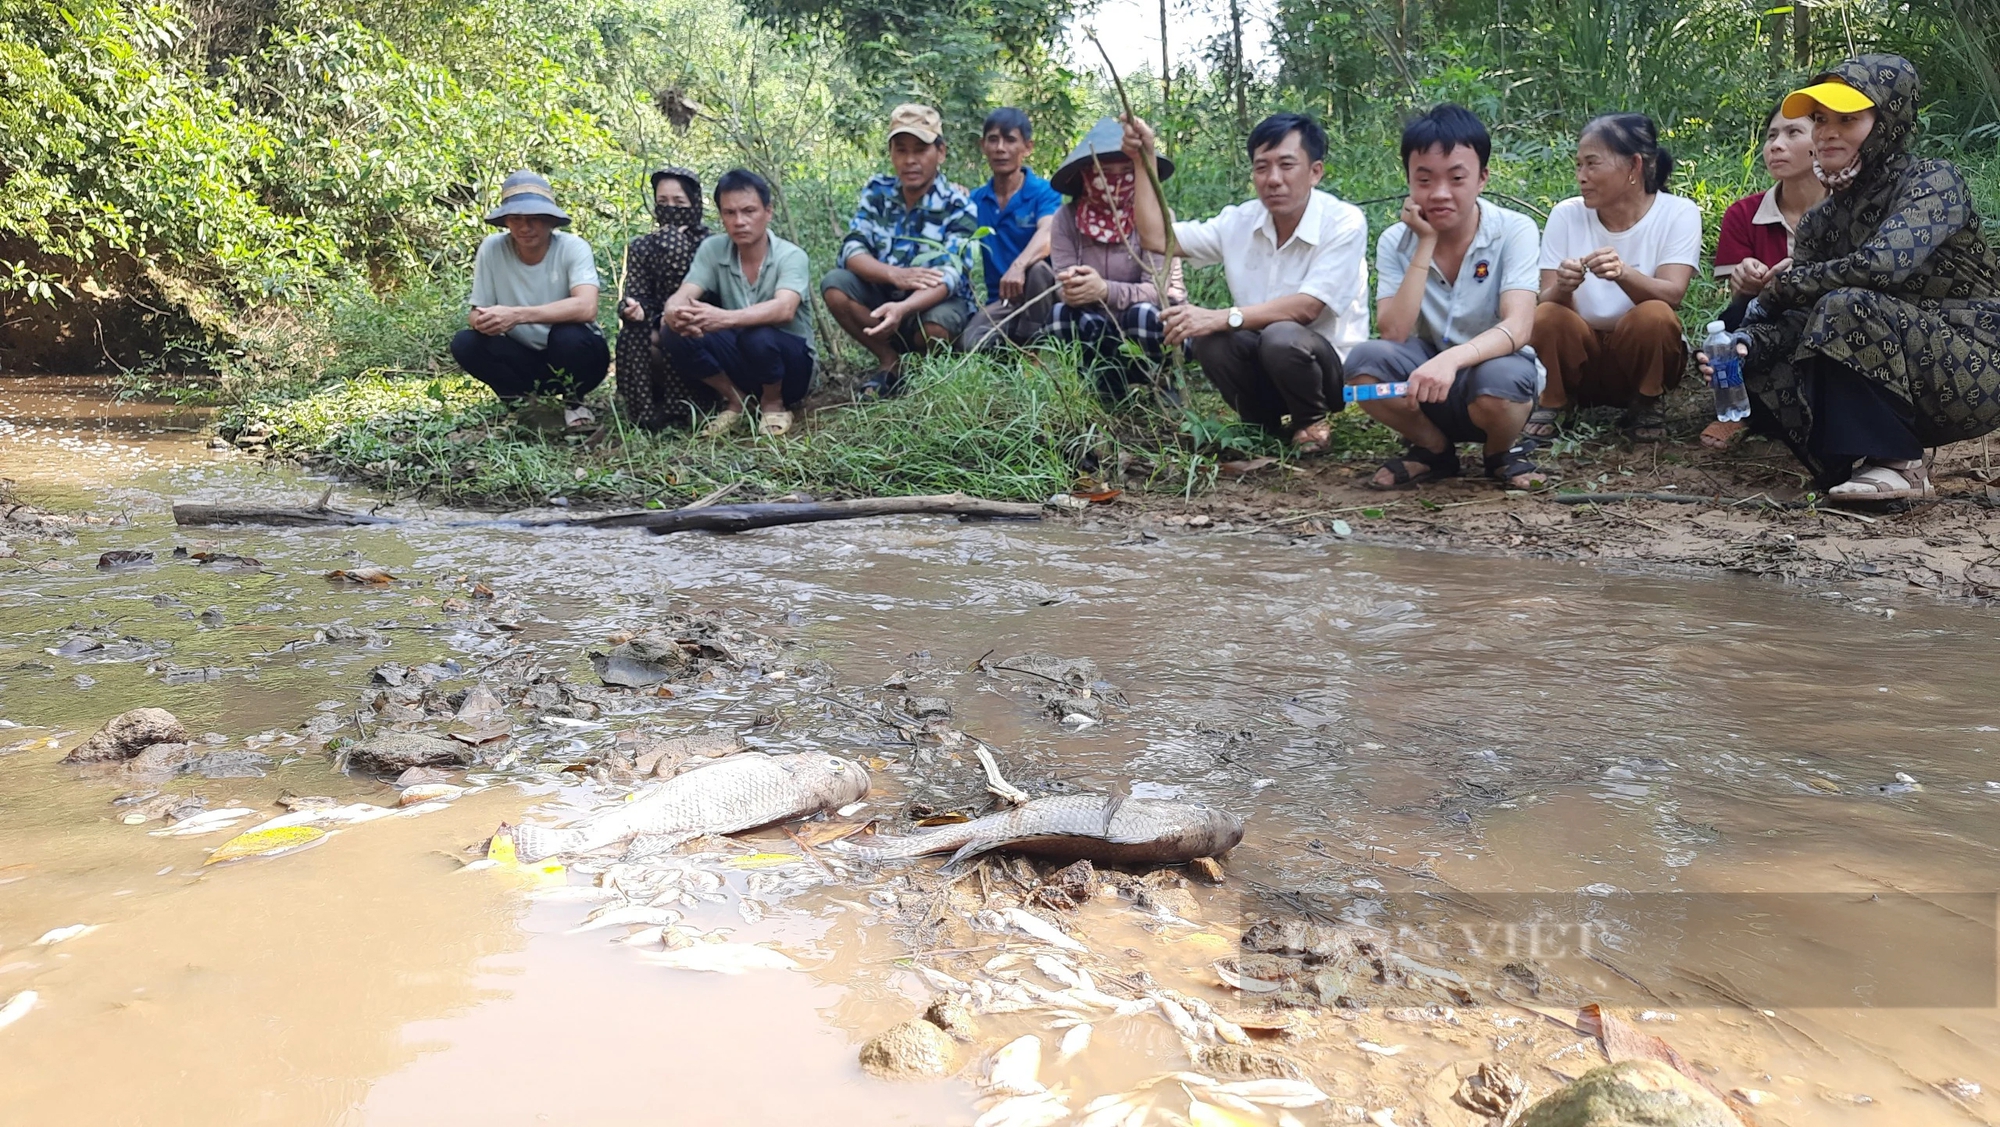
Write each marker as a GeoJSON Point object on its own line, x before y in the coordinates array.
{"type": "Point", "coordinates": [1881, 336]}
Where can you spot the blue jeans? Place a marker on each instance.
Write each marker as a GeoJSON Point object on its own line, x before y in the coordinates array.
{"type": "Point", "coordinates": [751, 358]}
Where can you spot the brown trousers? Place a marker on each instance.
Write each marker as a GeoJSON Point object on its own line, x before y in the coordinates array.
{"type": "Point", "coordinates": [1282, 369]}
{"type": "Point", "coordinates": [1589, 368]}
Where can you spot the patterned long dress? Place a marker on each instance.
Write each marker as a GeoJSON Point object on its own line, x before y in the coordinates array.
{"type": "Point", "coordinates": [651, 393]}
{"type": "Point", "coordinates": [1892, 280]}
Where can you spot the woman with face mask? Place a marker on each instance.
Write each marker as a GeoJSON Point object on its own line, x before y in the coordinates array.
{"type": "Point", "coordinates": [1757, 230]}
{"type": "Point", "coordinates": [650, 392]}
{"type": "Point", "coordinates": [1882, 337]}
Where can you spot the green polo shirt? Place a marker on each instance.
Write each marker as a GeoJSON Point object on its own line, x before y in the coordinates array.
{"type": "Point", "coordinates": [719, 272]}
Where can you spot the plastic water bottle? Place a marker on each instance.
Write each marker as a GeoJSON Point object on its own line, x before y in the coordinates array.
{"type": "Point", "coordinates": [1732, 403]}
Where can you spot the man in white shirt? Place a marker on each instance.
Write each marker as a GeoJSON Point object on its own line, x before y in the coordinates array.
{"type": "Point", "coordinates": [1296, 260]}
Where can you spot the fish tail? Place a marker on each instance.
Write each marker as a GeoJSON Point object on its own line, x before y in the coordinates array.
{"type": "Point", "coordinates": [532, 843]}
{"type": "Point", "coordinates": [915, 845]}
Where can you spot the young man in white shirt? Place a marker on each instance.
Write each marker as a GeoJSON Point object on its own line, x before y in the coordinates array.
{"type": "Point", "coordinates": [1296, 262]}
{"type": "Point", "coordinates": [1456, 282]}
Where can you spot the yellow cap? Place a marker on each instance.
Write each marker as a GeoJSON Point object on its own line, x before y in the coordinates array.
{"type": "Point", "coordinates": [1835, 95]}
{"type": "Point", "coordinates": [919, 121]}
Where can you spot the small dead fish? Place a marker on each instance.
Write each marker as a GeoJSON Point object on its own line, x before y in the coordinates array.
{"type": "Point", "coordinates": [738, 793]}
{"type": "Point", "coordinates": [723, 958]}
{"type": "Point", "coordinates": [1115, 829]}
{"type": "Point", "coordinates": [17, 1007]}
{"type": "Point", "coordinates": [56, 935]}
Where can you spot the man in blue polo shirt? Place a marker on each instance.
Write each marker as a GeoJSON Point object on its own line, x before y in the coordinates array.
{"type": "Point", "coordinates": [1016, 206]}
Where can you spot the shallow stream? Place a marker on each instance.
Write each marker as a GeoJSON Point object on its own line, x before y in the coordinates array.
{"type": "Point", "coordinates": [1412, 736]}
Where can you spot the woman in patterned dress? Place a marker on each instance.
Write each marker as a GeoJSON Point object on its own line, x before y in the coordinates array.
{"type": "Point", "coordinates": [651, 394]}
{"type": "Point", "coordinates": [1882, 336]}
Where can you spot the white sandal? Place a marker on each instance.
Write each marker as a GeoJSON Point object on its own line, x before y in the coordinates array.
{"type": "Point", "coordinates": [1885, 481]}
{"type": "Point", "coordinates": [774, 423]}
{"type": "Point", "coordinates": [723, 422]}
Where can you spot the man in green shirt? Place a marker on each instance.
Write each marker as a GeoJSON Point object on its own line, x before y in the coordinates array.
{"type": "Point", "coordinates": [740, 322]}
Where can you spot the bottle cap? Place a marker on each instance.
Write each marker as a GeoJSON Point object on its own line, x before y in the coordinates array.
{"type": "Point", "coordinates": [1714, 327]}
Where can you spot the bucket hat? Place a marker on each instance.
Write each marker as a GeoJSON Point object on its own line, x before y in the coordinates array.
{"type": "Point", "coordinates": [1106, 138]}
{"type": "Point", "coordinates": [527, 193]}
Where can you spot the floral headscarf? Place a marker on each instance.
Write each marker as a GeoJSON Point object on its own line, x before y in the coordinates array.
{"type": "Point", "coordinates": [1104, 210]}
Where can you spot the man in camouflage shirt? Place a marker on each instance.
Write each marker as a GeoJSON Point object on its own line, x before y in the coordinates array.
{"type": "Point", "coordinates": [902, 284]}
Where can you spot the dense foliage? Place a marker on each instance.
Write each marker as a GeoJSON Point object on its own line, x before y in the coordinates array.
{"type": "Point", "coordinates": [290, 190]}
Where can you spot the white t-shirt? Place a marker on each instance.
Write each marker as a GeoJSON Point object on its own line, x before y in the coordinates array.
{"type": "Point", "coordinates": [1326, 258]}
{"type": "Point", "coordinates": [1668, 234]}
{"type": "Point", "coordinates": [499, 277]}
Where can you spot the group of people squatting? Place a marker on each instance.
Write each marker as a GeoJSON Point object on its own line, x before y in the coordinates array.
{"type": "Point", "coordinates": [1864, 298]}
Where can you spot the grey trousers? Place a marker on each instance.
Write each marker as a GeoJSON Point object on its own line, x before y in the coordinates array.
{"type": "Point", "coordinates": [1270, 373]}
{"type": "Point", "coordinates": [979, 334]}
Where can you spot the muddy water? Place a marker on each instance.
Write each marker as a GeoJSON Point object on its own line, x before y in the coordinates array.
{"type": "Point", "coordinates": [1412, 736]}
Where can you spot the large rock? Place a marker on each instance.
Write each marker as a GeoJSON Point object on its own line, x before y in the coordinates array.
{"type": "Point", "coordinates": [914, 1050]}
{"type": "Point", "coordinates": [164, 759]}
{"type": "Point", "coordinates": [1631, 1093]}
{"type": "Point", "coordinates": [392, 753]}
{"type": "Point", "coordinates": [129, 733]}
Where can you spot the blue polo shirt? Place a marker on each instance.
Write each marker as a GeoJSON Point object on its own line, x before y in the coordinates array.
{"type": "Point", "coordinates": [1013, 225]}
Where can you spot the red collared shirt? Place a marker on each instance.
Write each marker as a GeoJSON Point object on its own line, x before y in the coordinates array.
{"type": "Point", "coordinates": [1753, 227]}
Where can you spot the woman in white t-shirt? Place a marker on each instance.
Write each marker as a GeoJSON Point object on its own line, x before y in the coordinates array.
{"type": "Point", "coordinates": [1616, 262]}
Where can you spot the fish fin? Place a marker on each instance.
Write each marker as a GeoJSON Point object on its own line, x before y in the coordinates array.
{"type": "Point", "coordinates": [970, 849]}
{"type": "Point", "coordinates": [1120, 791]}
{"type": "Point", "coordinates": [532, 843]}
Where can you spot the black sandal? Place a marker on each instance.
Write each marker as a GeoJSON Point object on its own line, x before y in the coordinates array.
{"type": "Point", "coordinates": [1437, 465]}
{"type": "Point", "coordinates": [1514, 462]}
{"type": "Point", "coordinates": [881, 385]}
{"type": "Point", "coordinates": [1541, 425]}
{"type": "Point", "coordinates": [1644, 421]}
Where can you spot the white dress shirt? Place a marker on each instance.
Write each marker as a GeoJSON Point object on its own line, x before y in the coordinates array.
{"type": "Point", "coordinates": [1326, 258]}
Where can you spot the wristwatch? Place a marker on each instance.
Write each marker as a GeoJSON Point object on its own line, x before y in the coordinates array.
{"type": "Point", "coordinates": [1235, 317]}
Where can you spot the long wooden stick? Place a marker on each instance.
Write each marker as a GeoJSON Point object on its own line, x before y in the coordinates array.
{"type": "Point", "coordinates": [741, 518]}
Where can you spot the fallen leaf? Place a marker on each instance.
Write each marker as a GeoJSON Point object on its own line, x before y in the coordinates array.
{"type": "Point", "coordinates": [265, 843]}
{"type": "Point", "coordinates": [1623, 1041]}
{"type": "Point", "coordinates": [826, 833]}
{"type": "Point", "coordinates": [1099, 496]}
{"type": "Point", "coordinates": [362, 575]}
{"type": "Point", "coordinates": [1241, 467]}
{"type": "Point", "coordinates": [481, 591]}
{"type": "Point", "coordinates": [951, 819]}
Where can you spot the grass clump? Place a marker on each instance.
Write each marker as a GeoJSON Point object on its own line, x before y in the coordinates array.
{"type": "Point", "coordinates": [1008, 427]}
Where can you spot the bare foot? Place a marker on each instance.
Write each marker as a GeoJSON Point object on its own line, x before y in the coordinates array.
{"type": "Point", "coordinates": [1312, 439]}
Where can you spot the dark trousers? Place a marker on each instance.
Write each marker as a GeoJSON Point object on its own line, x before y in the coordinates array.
{"type": "Point", "coordinates": [1855, 418]}
{"type": "Point", "coordinates": [1268, 374]}
{"type": "Point", "coordinates": [574, 362]}
{"type": "Point", "coordinates": [751, 358]}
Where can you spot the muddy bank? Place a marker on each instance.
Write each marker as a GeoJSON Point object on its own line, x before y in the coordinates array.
{"type": "Point", "coordinates": [1747, 513]}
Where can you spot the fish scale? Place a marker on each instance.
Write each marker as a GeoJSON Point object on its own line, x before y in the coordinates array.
{"type": "Point", "coordinates": [1090, 826]}
{"type": "Point", "coordinates": [739, 793]}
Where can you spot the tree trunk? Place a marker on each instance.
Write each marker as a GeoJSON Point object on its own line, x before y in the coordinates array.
{"type": "Point", "coordinates": [1236, 67]}
{"type": "Point", "coordinates": [1166, 69]}
{"type": "Point", "coordinates": [1802, 55]}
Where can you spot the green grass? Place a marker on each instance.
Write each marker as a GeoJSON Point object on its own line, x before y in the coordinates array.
{"type": "Point", "coordinates": [993, 427]}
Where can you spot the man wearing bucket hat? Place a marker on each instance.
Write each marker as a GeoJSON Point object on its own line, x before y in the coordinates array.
{"type": "Point", "coordinates": [902, 284]}
{"type": "Point", "coordinates": [534, 304]}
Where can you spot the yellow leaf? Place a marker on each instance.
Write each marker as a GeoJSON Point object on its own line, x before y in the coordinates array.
{"type": "Point", "coordinates": [951, 819]}
{"type": "Point", "coordinates": [763, 860]}
{"type": "Point", "coordinates": [265, 843]}
{"type": "Point", "coordinates": [1208, 1115]}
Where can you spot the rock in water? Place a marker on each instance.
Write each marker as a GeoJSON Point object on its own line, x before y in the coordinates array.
{"type": "Point", "coordinates": [914, 1050]}
{"type": "Point", "coordinates": [129, 733]}
{"type": "Point", "coordinates": [951, 1014]}
{"type": "Point", "coordinates": [1631, 1093]}
{"type": "Point", "coordinates": [392, 753]}
{"type": "Point", "coordinates": [164, 759]}
{"type": "Point", "coordinates": [641, 663]}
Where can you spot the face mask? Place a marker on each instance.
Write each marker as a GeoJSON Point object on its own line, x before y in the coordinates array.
{"type": "Point", "coordinates": [670, 216]}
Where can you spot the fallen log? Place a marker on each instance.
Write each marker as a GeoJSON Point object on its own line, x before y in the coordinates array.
{"type": "Point", "coordinates": [741, 518]}
{"type": "Point", "coordinates": [189, 513]}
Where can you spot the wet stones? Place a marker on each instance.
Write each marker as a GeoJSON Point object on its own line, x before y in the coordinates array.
{"type": "Point", "coordinates": [392, 753]}
{"type": "Point", "coordinates": [642, 662]}
{"type": "Point", "coordinates": [1299, 938]}
{"type": "Point", "coordinates": [912, 1050]}
{"type": "Point", "coordinates": [1244, 1063]}
{"type": "Point", "coordinates": [129, 733]}
{"type": "Point", "coordinates": [927, 708]}
{"type": "Point", "coordinates": [953, 1015]}
{"type": "Point", "coordinates": [1631, 1093]}
{"type": "Point", "coordinates": [164, 759]}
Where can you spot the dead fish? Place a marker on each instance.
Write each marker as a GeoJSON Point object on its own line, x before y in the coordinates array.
{"type": "Point", "coordinates": [1104, 828]}
{"type": "Point", "coordinates": [738, 793]}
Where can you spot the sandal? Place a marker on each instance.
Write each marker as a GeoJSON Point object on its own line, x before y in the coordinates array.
{"type": "Point", "coordinates": [724, 421]}
{"type": "Point", "coordinates": [1437, 465]}
{"type": "Point", "coordinates": [1644, 421]}
{"type": "Point", "coordinates": [1721, 435]}
{"type": "Point", "coordinates": [1511, 466]}
{"type": "Point", "coordinates": [1313, 438]}
{"type": "Point", "coordinates": [578, 418]}
{"type": "Point", "coordinates": [1541, 425]}
{"type": "Point", "coordinates": [1884, 481]}
{"type": "Point", "coordinates": [881, 385]}
{"type": "Point", "coordinates": [774, 423]}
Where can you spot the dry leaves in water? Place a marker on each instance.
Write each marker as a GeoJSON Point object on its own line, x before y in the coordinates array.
{"type": "Point", "coordinates": [362, 575]}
